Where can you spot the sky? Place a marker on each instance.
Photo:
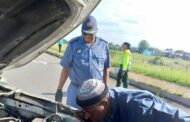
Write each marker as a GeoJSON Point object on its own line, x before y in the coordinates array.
{"type": "Point", "coordinates": [163, 23]}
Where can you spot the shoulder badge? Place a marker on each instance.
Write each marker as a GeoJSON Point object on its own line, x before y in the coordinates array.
{"type": "Point", "coordinates": [78, 51]}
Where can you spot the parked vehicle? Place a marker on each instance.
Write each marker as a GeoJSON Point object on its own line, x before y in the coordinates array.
{"type": "Point", "coordinates": [27, 29]}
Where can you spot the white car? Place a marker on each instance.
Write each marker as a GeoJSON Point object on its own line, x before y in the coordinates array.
{"type": "Point", "coordinates": [27, 29]}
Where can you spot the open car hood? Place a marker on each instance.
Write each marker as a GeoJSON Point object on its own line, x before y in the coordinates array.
{"type": "Point", "coordinates": [29, 27]}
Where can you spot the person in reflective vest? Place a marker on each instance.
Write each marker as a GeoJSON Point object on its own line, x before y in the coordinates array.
{"type": "Point", "coordinates": [124, 66]}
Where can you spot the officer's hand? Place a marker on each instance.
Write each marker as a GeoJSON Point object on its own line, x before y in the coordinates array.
{"type": "Point", "coordinates": [122, 73]}
{"type": "Point", "coordinates": [83, 117]}
{"type": "Point", "coordinates": [58, 95]}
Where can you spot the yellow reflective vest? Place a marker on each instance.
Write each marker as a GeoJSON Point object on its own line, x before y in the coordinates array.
{"type": "Point", "coordinates": [126, 60]}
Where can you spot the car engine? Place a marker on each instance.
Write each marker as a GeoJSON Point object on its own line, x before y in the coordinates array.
{"type": "Point", "coordinates": [17, 106]}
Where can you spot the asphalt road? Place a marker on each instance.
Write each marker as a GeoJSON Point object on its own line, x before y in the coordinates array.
{"type": "Point", "coordinates": [41, 77]}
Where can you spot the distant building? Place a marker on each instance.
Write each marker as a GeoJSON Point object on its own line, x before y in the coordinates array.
{"type": "Point", "coordinates": [149, 52]}
{"type": "Point", "coordinates": [179, 55]}
{"type": "Point", "coordinates": [169, 54]}
{"type": "Point", "coordinates": [186, 56]}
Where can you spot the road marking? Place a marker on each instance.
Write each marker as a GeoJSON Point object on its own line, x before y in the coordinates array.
{"type": "Point", "coordinates": [43, 62]}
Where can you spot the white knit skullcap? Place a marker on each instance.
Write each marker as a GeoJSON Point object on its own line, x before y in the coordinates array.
{"type": "Point", "coordinates": [91, 92]}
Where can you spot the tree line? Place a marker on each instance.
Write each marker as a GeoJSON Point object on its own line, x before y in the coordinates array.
{"type": "Point", "coordinates": [144, 45]}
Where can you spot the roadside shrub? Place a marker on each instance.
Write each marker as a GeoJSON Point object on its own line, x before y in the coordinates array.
{"type": "Point", "coordinates": [115, 64]}
{"type": "Point", "coordinates": [156, 61]}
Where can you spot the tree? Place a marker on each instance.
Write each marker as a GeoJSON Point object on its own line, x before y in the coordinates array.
{"type": "Point", "coordinates": [180, 51]}
{"type": "Point", "coordinates": [65, 41]}
{"type": "Point", "coordinates": [156, 50]}
{"type": "Point", "coordinates": [114, 46]}
{"type": "Point", "coordinates": [111, 45]}
{"type": "Point", "coordinates": [169, 49]}
{"type": "Point", "coordinates": [134, 49]}
{"type": "Point", "coordinates": [143, 45]}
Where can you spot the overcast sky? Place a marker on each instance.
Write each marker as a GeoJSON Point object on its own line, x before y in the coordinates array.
{"type": "Point", "coordinates": [163, 23]}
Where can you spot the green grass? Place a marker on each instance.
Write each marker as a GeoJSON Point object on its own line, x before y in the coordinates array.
{"type": "Point", "coordinates": [176, 73]}
{"type": "Point", "coordinates": [56, 49]}
{"type": "Point", "coordinates": [164, 73]}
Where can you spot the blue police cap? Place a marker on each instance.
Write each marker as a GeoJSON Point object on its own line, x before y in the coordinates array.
{"type": "Point", "coordinates": [89, 26]}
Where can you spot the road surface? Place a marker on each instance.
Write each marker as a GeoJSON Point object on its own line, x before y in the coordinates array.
{"type": "Point", "coordinates": [41, 77]}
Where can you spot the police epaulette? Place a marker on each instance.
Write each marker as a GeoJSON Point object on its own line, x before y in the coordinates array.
{"type": "Point", "coordinates": [103, 40]}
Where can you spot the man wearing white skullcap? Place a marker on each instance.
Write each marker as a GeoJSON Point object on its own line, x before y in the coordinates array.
{"type": "Point", "coordinates": [123, 105]}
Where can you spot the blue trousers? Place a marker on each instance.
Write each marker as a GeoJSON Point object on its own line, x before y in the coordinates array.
{"type": "Point", "coordinates": [72, 95]}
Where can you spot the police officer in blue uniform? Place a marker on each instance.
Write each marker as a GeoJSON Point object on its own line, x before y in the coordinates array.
{"type": "Point", "coordinates": [86, 57]}
{"type": "Point", "coordinates": [122, 105]}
